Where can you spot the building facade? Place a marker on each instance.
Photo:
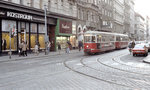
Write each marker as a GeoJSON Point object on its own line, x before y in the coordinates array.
{"type": "Point", "coordinates": [132, 18]}
{"type": "Point", "coordinates": [118, 14]}
{"type": "Point", "coordinates": [139, 27]}
{"type": "Point", "coordinates": [107, 15]}
{"type": "Point", "coordinates": [129, 18]}
{"type": "Point", "coordinates": [26, 18]}
{"type": "Point", "coordinates": [88, 16]}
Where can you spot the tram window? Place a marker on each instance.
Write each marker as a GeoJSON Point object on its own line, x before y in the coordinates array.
{"type": "Point", "coordinates": [93, 38]}
{"type": "Point", "coordinates": [87, 39]}
{"type": "Point", "coordinates": [117, 38]}
{"type": "Point", "coordinates": [98, 38]}
{"type": "Point", "coordinates": [103, 39]}
{"type": "Point", "coordinates": [111, 38]}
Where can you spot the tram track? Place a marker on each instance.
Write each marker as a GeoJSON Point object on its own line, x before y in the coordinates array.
{"type": "Point", "coordinates": [110, 82]}
{"type": "Point", "coordinates": [139, 81]}
{"type": "Point", "coordinates": [113, 59]}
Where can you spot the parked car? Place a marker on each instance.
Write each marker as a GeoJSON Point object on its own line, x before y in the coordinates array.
{"type": "Point", "coordinates": [140, 49]}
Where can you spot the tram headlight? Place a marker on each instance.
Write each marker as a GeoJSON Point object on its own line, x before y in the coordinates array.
{"type": "Point", "coordinates": [87, 46]}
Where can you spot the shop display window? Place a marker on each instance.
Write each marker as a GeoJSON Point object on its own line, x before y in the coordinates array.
{"type": "Point", "coordinates": [73, 41]}
{"type": "Point", "coordinates": [62, 41]}
{"type": "Point", "coordinates": [42, 41]}
{"type": "Point", "coordinates": [33, 35]}
{"type": "Point", "coordinates": [33, 40]}
{"type": "Point", "coordinates": [42, 36]}
{"type": "Point", "coordinates": [6, 43]}
{"type": "Point", "coordinates": [8, 25]}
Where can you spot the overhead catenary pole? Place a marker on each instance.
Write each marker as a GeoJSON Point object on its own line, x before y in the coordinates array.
{"type": "Point", "coordinates": [46, 37]}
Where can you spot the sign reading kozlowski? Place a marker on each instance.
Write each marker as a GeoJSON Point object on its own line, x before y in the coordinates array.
{"type": "Point", "coordinates": [19, 16]}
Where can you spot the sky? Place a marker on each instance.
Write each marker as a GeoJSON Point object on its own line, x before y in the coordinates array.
{"type": "Point", "coordinates": [143, 7]}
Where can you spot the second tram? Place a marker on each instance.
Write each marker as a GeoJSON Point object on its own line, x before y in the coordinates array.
{"type": "Point", "coordinates": [96, 42]}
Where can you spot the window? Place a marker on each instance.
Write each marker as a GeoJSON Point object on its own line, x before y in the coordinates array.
{"type": "Point", "coordinates": [99, 38]}
{"type": "Point", "coordinates": [87, 39]}
{"type": "Point", "coordinates": [93, 39]}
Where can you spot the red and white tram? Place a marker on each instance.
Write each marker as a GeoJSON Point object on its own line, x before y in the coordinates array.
{"type": "Point", "coordinates": [96, 42]}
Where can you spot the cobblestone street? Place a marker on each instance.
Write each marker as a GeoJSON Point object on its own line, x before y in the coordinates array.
{"type": "Point", "coordinates": [75, 71]}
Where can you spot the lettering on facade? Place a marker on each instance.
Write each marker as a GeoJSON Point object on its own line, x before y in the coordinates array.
{"type": "Point", "coordinates": [65, 27]}
{"type": "Point", "coordinates": [19, 16]}
{"type": "Point", "coordinates": [2, 13]}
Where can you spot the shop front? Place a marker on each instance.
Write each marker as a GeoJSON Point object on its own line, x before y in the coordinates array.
{"type": "Point", "coordinates": [29, 28]}
{"type": "Point", "coordinates": [63, 32]}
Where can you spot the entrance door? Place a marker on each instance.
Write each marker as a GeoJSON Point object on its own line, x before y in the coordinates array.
{"type": "Point", "coordinates": [23, 33]}
{"type": "Point", "coordinates": [22, 36]}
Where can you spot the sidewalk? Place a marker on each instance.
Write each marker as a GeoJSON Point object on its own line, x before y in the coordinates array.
{"type": "Point", "coordinates": [147, 59]}
{"type": "Point", "coordinates": [32, 55]}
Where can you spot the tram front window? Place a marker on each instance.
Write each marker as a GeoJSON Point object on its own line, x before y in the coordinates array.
{"type": "Point", "coordinates": [89, 39]}
{"type": "Point", "coordinates": [93, 38]}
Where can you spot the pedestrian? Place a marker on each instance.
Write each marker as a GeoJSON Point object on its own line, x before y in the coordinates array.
{"type": "Point", "coordinates": [70, 46]}
{"type": "Point", "coordinates": [67, 48]}
{"type": "Point", "coordinates": [24, 49]}
{"type": "Point", "coordinates": [20, 49]}
{"type": "Point", "coordinates": [59, 47]}
{"type": "Point", "coordinates": [36, 49]}
{"type": "Point", "coordinates": [80, 45]}
{"type": "Point", "coordinates": [38, 46]}
{"type": "Point", "coordinates": [133, 44]}
{"type": "Point", "coordinates": [130, 47]}
{"type": "Point", "coordinates": [48, 46]}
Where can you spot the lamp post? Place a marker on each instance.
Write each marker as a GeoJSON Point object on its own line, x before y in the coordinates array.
{"type": "Point", "coordinates": [46, 37]}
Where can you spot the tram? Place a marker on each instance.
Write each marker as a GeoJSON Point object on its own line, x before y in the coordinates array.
{"type": "Point", "coordinates": [96, 42]}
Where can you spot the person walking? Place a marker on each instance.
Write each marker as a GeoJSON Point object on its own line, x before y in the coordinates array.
{"type": "Point", "coordinates": [133, 44]}
{"type": "Point", "coordinates": [24, 49]}
{"type": "Point", "coordinates": [67, 48]}
{"type": "Point", "coordinates": [36, 49]}
{"type": "Point", "coordinates": [48, 46]}
{"type": "Point", "coordinates": [80, 45]}
{"type": "Point", "coordinates": [20, 49]}
{"type": "Point", "coordinates": [59, 47]}
{"type": "Point", "coordinates": [130, 47]}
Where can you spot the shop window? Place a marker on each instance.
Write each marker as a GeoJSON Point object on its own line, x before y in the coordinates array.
{"type": "Point", "coordinates": [33, 40]}
{"type": "Point", "coordinates": [8, 25]}
{"type": "Point", "coordinates": [42, 36]}
{"type": "Point", "coordinates": [42, 41]}
{"type": "Point", "coordinates": [62, 41]}
{"type": "Point", "coordinates": [33, 36]}
{"type": "Point", "coordinates": [6, 43]}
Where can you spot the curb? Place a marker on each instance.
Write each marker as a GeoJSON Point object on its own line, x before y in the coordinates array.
{"type": "Point", "coordinates": [147, 60]}
{"type": "Point", "coordinates": [17, 59]}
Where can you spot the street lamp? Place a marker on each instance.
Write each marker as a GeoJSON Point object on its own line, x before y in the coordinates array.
{"type": "Point", "coordinates": [46, 37]}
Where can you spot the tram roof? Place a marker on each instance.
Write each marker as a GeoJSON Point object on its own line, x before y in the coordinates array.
{"type": "Point", "coordinates": [98, 32]}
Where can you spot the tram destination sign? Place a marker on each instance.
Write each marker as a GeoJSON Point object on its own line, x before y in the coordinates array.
{"type": "Point", "coordinates": [19, 16]}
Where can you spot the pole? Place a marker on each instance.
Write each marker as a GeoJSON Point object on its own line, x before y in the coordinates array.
{"type": "Point", "coordinates": [45, 30]}
{"type": "Point", "coordinates": [10, 32]}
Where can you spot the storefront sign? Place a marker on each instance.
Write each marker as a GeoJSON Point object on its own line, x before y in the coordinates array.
{"type": "Point", "coordinates": [19, 16]}
{"type": "Point", "coordinates": [2, 13]}
{"type": "Point", "coordinates": [65, 27]}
